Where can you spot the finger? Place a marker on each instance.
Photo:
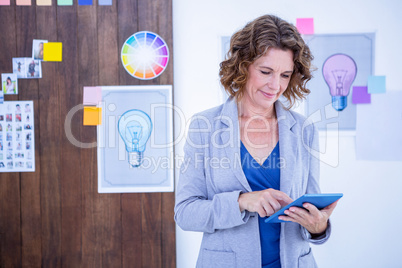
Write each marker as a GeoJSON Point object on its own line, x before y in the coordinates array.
{"type": "Point", "coordinates": [313, 210]}
{"type": "Point", "coordinates": [283, 198]}
{"type": "Point", "coordinates": [291, 216]}
{"type": "Point", "coordinates": [268, 209]}
{"type": "Point", "coordinates": [276, 206]}
{"type": "Point", "coordinates": [329, 209]}
{"type": "Point", "coordinates": [300, 215]}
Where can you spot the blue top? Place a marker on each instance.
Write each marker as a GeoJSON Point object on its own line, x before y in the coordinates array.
{"type": "Point", "coordinates": [261, 177]}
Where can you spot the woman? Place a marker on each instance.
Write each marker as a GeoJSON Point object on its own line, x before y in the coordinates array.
{"type": "Point", "coordinates": [249, 157]}
{"type": "Point", "coordinates": [9, 86]}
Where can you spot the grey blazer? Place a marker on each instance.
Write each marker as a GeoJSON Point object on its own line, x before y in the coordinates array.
{"type": "Point", "coordinates": [211, 179]}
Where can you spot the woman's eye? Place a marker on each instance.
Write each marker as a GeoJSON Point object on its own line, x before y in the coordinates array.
{"type": "Point", "coordinates": [265, 72]}
{"type": "Point", "coordinates": [285, 76]}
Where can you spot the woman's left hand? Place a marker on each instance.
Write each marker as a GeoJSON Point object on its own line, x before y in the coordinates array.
{"type": "Point", "coordinates": [310, 217]}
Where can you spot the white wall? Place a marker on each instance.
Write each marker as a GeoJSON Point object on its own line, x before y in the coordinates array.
{"type": "Point", "coordinates": [366, 222]}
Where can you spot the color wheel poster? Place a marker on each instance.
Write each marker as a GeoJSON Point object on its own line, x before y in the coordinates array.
{"type": "Point", "coordinates": [145, 55]}
{"type": "Point", "coordinates": [17, 140]}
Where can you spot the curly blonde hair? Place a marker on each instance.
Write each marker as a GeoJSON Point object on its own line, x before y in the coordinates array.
{"type": "Point", "coordinates": [252, 42]}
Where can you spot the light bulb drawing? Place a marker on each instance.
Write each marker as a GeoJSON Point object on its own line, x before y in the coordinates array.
{"type": "Point", "coordinates": [339, 72]}
{"type": "Point", "coordinates": [135, 127]}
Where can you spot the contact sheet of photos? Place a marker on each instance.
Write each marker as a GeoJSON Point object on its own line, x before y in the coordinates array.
{"type": "Point", "coordinates": [17, 139]}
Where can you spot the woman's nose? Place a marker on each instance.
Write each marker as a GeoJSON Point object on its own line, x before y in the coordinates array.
{"type": "Point", "coordinates": [274, 82]}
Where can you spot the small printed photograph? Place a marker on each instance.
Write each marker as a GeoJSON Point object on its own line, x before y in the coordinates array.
{"type": "Point", "coordinates": [1, 148]}
{"type": "Point", "coordinates": [27, 126]}
{"type": "Point", "coordinates": [2, 165]}
{"type": "Point", "coordinates": [37, 49]}
{"type": "Point", "coordinates": [18, 155]}
{"type": "Point", "coordinates": [1, 127]}
{"type": "Point", "coordinates": [19, 67]}
{"type": "Point", "coordinates": [27, 108]}
{"type": "Point", "coordinates": [9, 154]}
{"type": "Point", "coordinates": [17, 108]}
{"type": "Point", "coordinates": [9, 145]}
{"type": "Point", "coordinates": [17, 117]}
{"type": "Point", "coordinates": [18, 127]}
{"type": "Point", "coordinates": [9, 117]}
{"type": "Point", "coordinates": [9, 136]}
{"type": "Point", "coordinates": [18, 137]}
{"type": "Point", "coordinates": [28, 118]}
{"type": "Point", "coordinates": [29, 155]}
{"type": "Point", "coordinates": [19, 164]}
{"type": "Point", "coordinates": [29, 136]}
{"type": "Point", "coordinates": [9, 83]}
{"type": "Point", "coordinates": [29, 164]}
{"type": "Point", "coordinates": [19, 146]}
{"type": "Point", "coordinates": [9, 127]}
{"type": "Point", "coordinates": [28, 146]}
{"type": "Point", "coordinates": [2, 117]}
{"type": "Point", "coordinates": [33, 68]}
{"type": "Point", "coordinates": [10, 165]}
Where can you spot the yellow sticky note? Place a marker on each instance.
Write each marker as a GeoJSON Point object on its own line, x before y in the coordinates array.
{"type": "Point", "coordinates": [52, 51]}
{"type": "Point", "coordinates": [92, 116]}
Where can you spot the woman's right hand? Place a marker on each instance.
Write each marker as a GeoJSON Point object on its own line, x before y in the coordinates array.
{"type": "Point", "coordinates": [265, 202]}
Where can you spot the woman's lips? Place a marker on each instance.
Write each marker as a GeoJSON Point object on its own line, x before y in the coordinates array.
{"type": "Point", "coordinates": [268, 95]}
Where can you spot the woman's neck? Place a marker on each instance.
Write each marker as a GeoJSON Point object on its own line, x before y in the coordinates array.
{"type": "Point", "coordinates": [246, 110]}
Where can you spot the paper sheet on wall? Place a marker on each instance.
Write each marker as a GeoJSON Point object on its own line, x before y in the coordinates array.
{"type": "Point", "coordinates": [379, 128]}
{"type": "Point", "coordinates": [17, 137]}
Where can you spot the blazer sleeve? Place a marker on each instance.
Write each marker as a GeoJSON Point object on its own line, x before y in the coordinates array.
{"type": "Point", "coordinates": [194, 211]}
{"type": "Point", "coordinates": [313, 183]}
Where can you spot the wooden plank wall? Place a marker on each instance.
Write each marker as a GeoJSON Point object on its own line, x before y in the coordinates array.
{"type": "Point", "coordinates": [55, 217]}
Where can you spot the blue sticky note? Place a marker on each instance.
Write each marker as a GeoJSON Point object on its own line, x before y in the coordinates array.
{"type": "Point", "coordinates": [85, 2]}
{"type": "Point", "coordinates": [105, 2]}
{"type": "Point", "coordinates": [376, 84]}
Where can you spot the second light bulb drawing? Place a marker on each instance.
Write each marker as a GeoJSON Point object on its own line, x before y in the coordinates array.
{"type": "Point", "coordinates": [135, 127]}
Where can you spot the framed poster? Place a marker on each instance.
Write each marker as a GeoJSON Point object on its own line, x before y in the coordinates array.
{"type": "Point", "coordinates": [342, 61]}
{"type": "Point", "coordinates": [17, 137]}
{"type": "Point", "coordinates": [135, 140]}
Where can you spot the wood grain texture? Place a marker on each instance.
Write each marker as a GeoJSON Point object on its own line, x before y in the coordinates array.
{"type": "Point", "coordinates": [70, 163]}
{"type": "Point", "coordinates": [50, 127]}
{"type": "Point", "coordinates": [109, 204]}
{"type": "Point", "coordinates": [30, 181]}
{"type": "Point", "coordinates": [10, 203]}
{"type": "Point", "coordinates": [55, 217]}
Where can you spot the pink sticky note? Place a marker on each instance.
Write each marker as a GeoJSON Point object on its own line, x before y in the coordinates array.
{"type": "Point", "coordinates": [305, 25]}
{"type": "Point", "coordinates": [92, 95]}
{"type": "Point", "coordinates": [4, 2]}
{"type": "Point", "coordinates": [23, 2]}
{"type": "Point", "coordinates": [360, 95]}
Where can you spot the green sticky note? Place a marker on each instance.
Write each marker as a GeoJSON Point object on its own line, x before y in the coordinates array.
{"type": "Point", "coordinates": [92, 116]}
{"type": "Point", "coordinates": [65, 2]}
{"type": "Point", "coordinates": [52, 51]}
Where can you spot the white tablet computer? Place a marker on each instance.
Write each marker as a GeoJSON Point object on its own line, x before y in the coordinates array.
{"type": "Point", "coordinates": [318, 200]}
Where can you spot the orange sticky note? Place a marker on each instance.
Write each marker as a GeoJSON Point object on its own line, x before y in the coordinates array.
{"type": "Point", "coordinates": [92, 116]}
{"type": "Point", "coordinates": [305, 25]}
{"type": "Point", "coordinates": [23, 2]}
{"type": "Point", "coordinates": [52, 51]}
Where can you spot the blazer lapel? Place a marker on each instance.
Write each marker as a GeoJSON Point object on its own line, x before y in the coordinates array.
{"type": "Point", "coordinates": [287, 147]}
{"type": "Point", "coordinates": [230, 136]}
